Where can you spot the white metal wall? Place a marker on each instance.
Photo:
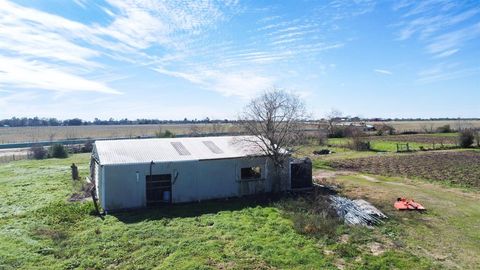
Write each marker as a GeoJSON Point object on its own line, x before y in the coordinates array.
{"type": "Point", "coordinates": [191, 181]}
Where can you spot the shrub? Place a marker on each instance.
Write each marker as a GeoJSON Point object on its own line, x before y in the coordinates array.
{"type": "Point", "coordinates": [87, 147]}
{"type": "Point", "coordinates": [385, 129]}
{"type": "Point", "coordinates": [358, 144]}
{"type": "Point", "coordinates": [444, 129]}
{"type": "Point", "coordinates": [311, 215]}
{"type": "Point", "coordinates": [338, 132]}
{"type": "Point", "coordinates": [166, 134]}
{"type": "Point", "coordinates": [466, 138]}
{"type": "Point", "coordinates": [477, 137]}
{"type": "Point", "coordinates": [409, 132]}
{"type": "Point", "coordinates": [322, 137]}
{"type": "Point", "coordinates": [38, 152]}
{"type": "Point", "coordinates": [58, 151]}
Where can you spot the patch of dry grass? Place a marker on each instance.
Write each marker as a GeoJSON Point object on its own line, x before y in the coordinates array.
{"type": "Point", "coordinates": [34, 134]}
{"type": "Point", "coordinates": [448, 232]}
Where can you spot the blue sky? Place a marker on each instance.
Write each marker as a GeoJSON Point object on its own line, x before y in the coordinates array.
{"type": "Point", "coordinates": [196, 59]}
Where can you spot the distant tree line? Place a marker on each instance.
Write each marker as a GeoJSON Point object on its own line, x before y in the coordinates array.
{"type": "Point", "coordinates": [414, 119]}
{"type": "Point", "coordinates": [38, 122]}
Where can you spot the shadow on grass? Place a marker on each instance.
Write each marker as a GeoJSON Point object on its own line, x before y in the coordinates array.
{"type": "Point", "coordinates": [194, 209]}
{"type": "Point", "coordinates": [378, 150]}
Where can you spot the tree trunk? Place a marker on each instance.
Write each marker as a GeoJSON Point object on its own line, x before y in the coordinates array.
{"type": "Point", "coordinates": [276, 180]}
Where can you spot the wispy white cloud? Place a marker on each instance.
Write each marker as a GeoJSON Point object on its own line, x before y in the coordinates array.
{"type": "Point", "coordinates": [81, 3]}
{"type": "Point", "coordinates": [19, 73]}
{"type": "Point", "coordinates": [60, 50]}
{"type": "Point", "coordinates": [383, 71]}
{"type": "Point", "coordinates": [444, 72]}
{"type": "Point", "coordinates": [444, 27]}
{"type": "Point", "coordinates": [16, 98]}
{"type": "Point", "coordinates": [47, 51]}
{"type": "Point", "coordinates": [234, 83]}
{"type": "Point", "coordinates": [39, 50]}
{"type": "Point", "coordinates": [447, 53]}
{"type": "Point", "coordinates": [449, 43]}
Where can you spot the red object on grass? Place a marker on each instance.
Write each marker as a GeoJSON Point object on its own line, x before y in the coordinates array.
{"type": "Point", "coordinates": [404, 204]}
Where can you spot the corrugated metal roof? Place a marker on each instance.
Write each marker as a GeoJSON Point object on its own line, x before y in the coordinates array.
{"type": "Point", "coordinates": [174, 149]}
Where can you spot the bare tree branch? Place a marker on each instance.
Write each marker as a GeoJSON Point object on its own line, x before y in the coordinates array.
{"type": "Point", "coordinates": [275, 120]}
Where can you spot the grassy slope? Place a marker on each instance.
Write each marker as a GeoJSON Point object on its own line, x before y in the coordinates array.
{"type": "Point", "coordinates": [39, 229]}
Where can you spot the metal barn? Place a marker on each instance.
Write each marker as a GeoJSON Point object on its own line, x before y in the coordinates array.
{"type": "Point", "coordinates": [147, 172]}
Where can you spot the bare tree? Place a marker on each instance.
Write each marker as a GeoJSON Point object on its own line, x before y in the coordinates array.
{"type": "Point", "coordinates": [463, 124]}
{"type": "Point", "coordinates": [217, 128]}
{"type": "Point", "coordinates": [275, 121]}
{"type": "Point", "coordinates": [477, 136]}
{"type": "Point", "coordinates": [333, 117]}
{"type": "Point", "coordinates": [428, 128]}
{"type": "Point", "coordinates": [321, 135]}
{"type": "Point", "coordinates": [194, 130]}
{"type": "Point", "coordinates": [51, 136]}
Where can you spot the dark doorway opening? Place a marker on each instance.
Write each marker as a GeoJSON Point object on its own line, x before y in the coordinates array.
{"type": "Point", "coordinates": [250, 173]}
{"type": "Point", "coordinates": [301, 173]}
{"type": "Point", "coordinates": [159, 189]}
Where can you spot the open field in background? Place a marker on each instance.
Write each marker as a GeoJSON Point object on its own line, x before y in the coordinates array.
{"type": "Point", "coordinates": [461, 168]}
{"type": "Point", "coordinates": [437, 138]}
{"type": "Point", "coordinates": [43, 229]}
{"type": "Point", "coordinates": [416, 141]}
{"type": "Point", "coordinates": [34, 134]}
{"type": "Point", "coordinates": [430, 126]}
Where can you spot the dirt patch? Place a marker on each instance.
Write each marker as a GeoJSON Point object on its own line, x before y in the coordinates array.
{"type": "Point", "coordinates": [344, 238]}
{"type": "Point", "coordinates": [84, 194]}
{"type": "Point", "coordinates": [376, 248]}
{"type": "Point", "coordinates": [456, 167]}
{"type": "Point", "coordinates": [340, 263]}
{"type": "Point", "coordinates": [370, 178]}
{"type": "Point", "coordinates": [328, 252]}
{"type": "Point", "coordinates": [329, 175]}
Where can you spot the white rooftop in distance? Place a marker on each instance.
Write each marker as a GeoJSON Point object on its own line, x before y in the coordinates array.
{"type": "Point", "coordinates": [133, 151]}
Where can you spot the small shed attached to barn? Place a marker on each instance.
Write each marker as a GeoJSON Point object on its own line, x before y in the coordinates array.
{"type": "Point", "coordinates": [147, 172]}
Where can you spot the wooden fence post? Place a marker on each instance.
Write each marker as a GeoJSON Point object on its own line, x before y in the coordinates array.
{"type": "Point", "coordinates": [74, 172]}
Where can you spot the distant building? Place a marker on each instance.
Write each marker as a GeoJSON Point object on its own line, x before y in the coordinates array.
{"type": "Point", "coordinates": [361, 125]}
{"type": "Point", "coordinates": [147, 172]}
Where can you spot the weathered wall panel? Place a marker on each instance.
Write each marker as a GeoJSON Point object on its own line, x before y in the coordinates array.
{"type": "Point", "coordinates": [191, 181]}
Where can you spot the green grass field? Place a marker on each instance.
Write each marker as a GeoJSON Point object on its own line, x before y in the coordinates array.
{"type": "Point", "coordinates": [416, 141]}
{"type": "Point", "coordinates": [39, 229]}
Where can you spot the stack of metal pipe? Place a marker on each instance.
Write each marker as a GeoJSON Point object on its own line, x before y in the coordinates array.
{"type": "Point", "coordinates": [357, 212]}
